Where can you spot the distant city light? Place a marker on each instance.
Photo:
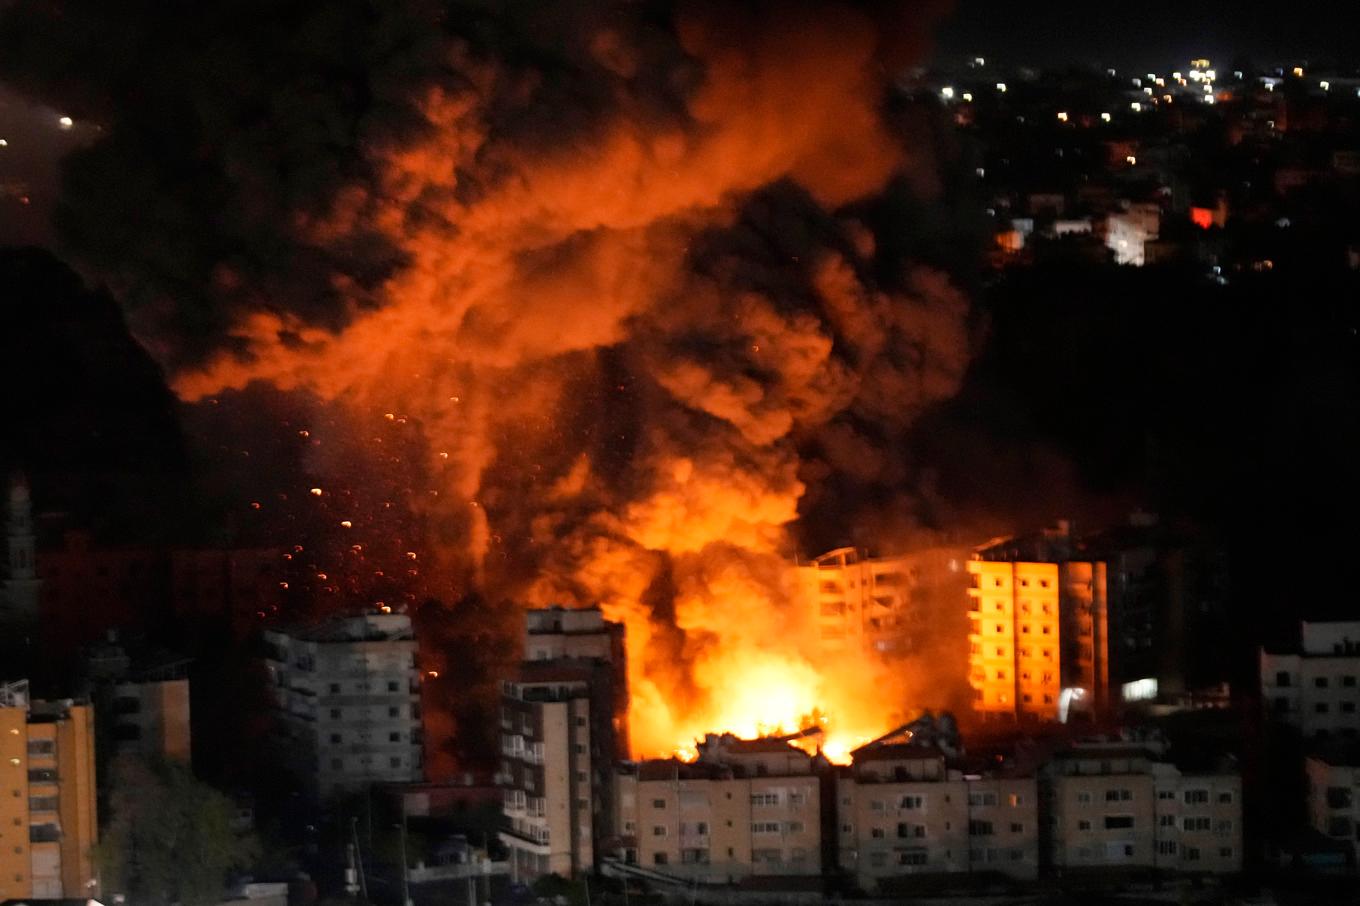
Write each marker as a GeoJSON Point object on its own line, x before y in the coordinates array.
{"type": "Point", "coordinates": [1298, 72]}
{"type": "Point", "coordinates": [1177, 76]}
{"type": "Point", "coordinates": [1132, 161]}
{"type": "Point", "coordinates": [1136, 107]}
{"type": "Point", "coordinates": [968, 97]}
{"type": "Point", "coordinates": [1062, 117]}
{"type": "Point", "coordinates": [947, 93]}
{"type": "Point", "coordinates": [1106, 117]}
{"type": "Point", "coordinates": [1111, 73]}
{"type": "Point", "coordinates": [1137, 83]}
{"type": "Point", "coordinates": [1325, 85]}
{"type": "Point", "coordinates": [3, 143]}
{"type": "Point", "coordinates": [1211, 75]}
{"type": "Point", "coordinates": [66, 122]}
{"type": "Point", "coordinates": [979, 61]}
{"type": "Point", "coordinates": [1148, 91]}
{"type": "Point", "coordinates": [1210, 99]}
{"type": "Point", "coordinates": [1001, 87]}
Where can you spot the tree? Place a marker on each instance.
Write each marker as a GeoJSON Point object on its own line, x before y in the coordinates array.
{"type": "Point", "coordinates": [169, 837]}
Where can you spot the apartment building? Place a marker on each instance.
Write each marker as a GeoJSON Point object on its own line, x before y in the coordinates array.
{"type": "Point", "coordinates": [48, 824]}
{"type": "Point", "coordinates": [1038, 634]}
{"type": "Point", "coordinates": [1315, 688]}
{"type": "Point", "coordinates": [903, 809]}
{"type": "Point", "coordinates": [140, 708]}
{"type": "Point", "coordinates": [882, 604]}
{"type": "Point", "coordinates": [347, 694]}
{"type": "Point", "coordinates": [1117, 806]}
{"type": "Point", "coordinates": [746, 809]}
{"type": "Point", "coordinates": [1334, 794]}
{"type": "Point", "coordinates": [563, 724]}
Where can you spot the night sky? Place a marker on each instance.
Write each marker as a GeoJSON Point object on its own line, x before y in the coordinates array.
{"type": "Point", "coordinates": [1158, 33]}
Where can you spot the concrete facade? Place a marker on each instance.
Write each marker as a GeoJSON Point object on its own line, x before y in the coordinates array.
{"type": "Point", "coordinates": [1117, 807]}
{"type": "Point", "coordinates": [1334, 796]}
{"type": "Point", "coordinates": [48, 820]}
{"type": "Point", "coordinates": [348, 702]}
{"type": "Point", "coordinates": [902, 810]}
{"type": "Point", "coordinates": [563, 724]}
{"type": "Point", "coordinates": [1316, 689]}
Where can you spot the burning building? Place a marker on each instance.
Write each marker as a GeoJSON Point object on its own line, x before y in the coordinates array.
{"type": "Point", "coordinates": [1038, 643]}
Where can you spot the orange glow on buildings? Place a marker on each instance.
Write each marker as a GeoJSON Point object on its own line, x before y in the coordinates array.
{"type": "Point", "coordinates": [1202, 218]}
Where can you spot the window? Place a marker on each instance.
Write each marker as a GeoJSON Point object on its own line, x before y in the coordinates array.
{"type": "Point", "coordinates": [394, 737]}
{"type": "Point", "coordinates": [1083, 824]}
{"type": "Point", "coordinates": [764, 827]}
{"type": "Point", "coordinates": [1225, 797]}
{"type": "Point", "coordinates": [1118, 822]}
{"type": "Point", "coordinates": [335, 737]}
{"type": "Point", "coordinates": [392, 686]}
{"type": "Point", "coordinates": [978, 828]}
{"type": "Point", "coordinates": [658, 858]}
{"type": "Point", "coordinates": [1320, 682]}
{"type": "Point", "coordinates": [1195, 823]}
{"type": "Point", "coordinates": [658, 803]}
{"type": "Point", "coordinates": [1016, 800]}
{"type": "Point", "coordinates": [1192, 854]}
{"type": "Point", "coordinates": [1195, 797]}
{"type": "Point", "coordinates": [878, 859]}
{"type": "Point", "coordinates": [771, 856]}
{"type": "Point", "coordinates": [394, 712]}
{"type": "Point", "coordinates": [1223, 828]}
{"type": "Point", "coordinates": [1017, 827]}
{"type": "Point", "coordinates": [1084, 797]}
{"type": "Point", "coordinates": [794, 827]}
{"type": "Point", "coordinates": [335, 713]}
{"type": "Point", "coordinates": [1119, 795]}
{"type": "Point", "coordinates": [979, 799]}
{"type": "Point", "coordinates": [764, 798]}
{"type": "Point", "coordinates": [877, 833]}
{"type": "Point", "coordinates": [658, 830]}
{"type": "Point", "coordinates": [1225, 852]}
{"type": "Point", "coordinates": [1282, 678]}
{"type": "Point", "coordinates": [335, 688]}
{"type": "Point", "coordinates": [912, 802]}
{"type": "Point", "coordinates": [42, 747]}
{"type": "Point", "coordinates": [394, 761]}
{"type": "Point", "coordinates": [914, 856]}
{"type": "Point", "coordinates": [1348, 682]}
{"type": "Point", "coordinates": [1165, 795]}
{"type": "Point", "coordinates": [1166, 821]}
{"type": "Point", "coordinates": [1167, 847]}
{"type": "Point", "coordinates": [1320, 708]}
{"type": "Point", "coordinates": [797, 798]}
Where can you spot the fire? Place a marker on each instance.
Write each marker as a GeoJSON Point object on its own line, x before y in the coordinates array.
{"type": "Point", "coordinates": [630, 337]}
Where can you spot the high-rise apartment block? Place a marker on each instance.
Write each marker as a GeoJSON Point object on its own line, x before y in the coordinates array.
{"type": "Point", "coordinates": [140, 709]}
{"type": "Point", "coordinates": [1118, 806]}
{"type": "Point", "coordinates": [563, 725]}
{"type": "Point", "coordinates": [743, 809]}
{"type": "Point", "coordinates": [19, 590]}
{"type": "Point", "coordinates": [1038, 634]}
{"type": "Point", "coordinates": [348, 702]}
{"type": "Point", "coordinates": [1315, 690]}
{"type": "Point", "coordinates": [48, 824]}
{"type": "Point", "coordinates": [903, 809]}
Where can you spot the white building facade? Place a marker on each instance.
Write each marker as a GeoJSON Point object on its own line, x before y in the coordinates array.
{"type": "Point", "coordinates": [1316, 689]}
{"type": "Point", "coordinates": [348, 699]}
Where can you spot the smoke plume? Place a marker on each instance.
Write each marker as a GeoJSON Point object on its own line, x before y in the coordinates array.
{"type": "Point", "coordinates": [614, 263]}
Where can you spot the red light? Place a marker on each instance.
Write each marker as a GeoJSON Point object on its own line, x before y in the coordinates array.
{"type": "Point", "coordinates": [1202, 218]}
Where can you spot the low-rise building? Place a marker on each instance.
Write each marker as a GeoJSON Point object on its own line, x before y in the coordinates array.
{"type": "Point", "coordinates": [1334, 794]}
{"type": "Point", "coordinates": [347, 694]}
{"type": "Point", "coordinates": [904, 809]}
{"type": "Point", "coordinates": [48, 826]}
{"type": "Point", "coordinates": [746, 809]}
{"type": "Point", "coordinates": [1315, 689]}
{"type": "Point", "coordinates": [1117, 806]}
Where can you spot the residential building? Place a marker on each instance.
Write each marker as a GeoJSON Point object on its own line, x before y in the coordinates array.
{"type": "Point", "coordinates": [905, 808]}
{"type": "Point", "coordinates": [1118, 806]}
{"type": "Point", "coordinates": [1037, 643]}
{"type": "Point", "coordinates": [744, 810]}
{"type": "Point", "coordinates": [563, 724]}
{"type": "Point", "coordinates": [347, 694]}
{"type": "Point", "coordinates": [21, 586]}
{"type": "Point", "coordinates": [1315, 689]}
{"type": "Point", "coordinates": [140, 708]}
{"type": "Point", "coordinates": [1334, 794]}
{"type": "Point", "coordinates": [882, 604]}
{"type": "Point", "coordinates": [48, 825]}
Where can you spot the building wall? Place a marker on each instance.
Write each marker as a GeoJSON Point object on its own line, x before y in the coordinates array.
{"type": "Point", "coordinates": [1122, 810]}
{"type": "Point", "coordinates": [859, 601]}
{"type": "Point", "coordinates": [720, 830]}
{"type": "Point", "coordinates": [889, 829]}
{"type": "Point", "coordinates": [48, 824]}
{"type": "Point", "coordinates": [349, 708]}
{"type": "Point", "coordinates": [16, 878]}
{"type": "Point", "coordinates": [1318, 694]}
{"type": "Point", "coordinates": [1015, 638]}
{"type": "Point", "coordinates": [1334, 800]}
{"type": "Point", "coordinates": [150, 718]}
